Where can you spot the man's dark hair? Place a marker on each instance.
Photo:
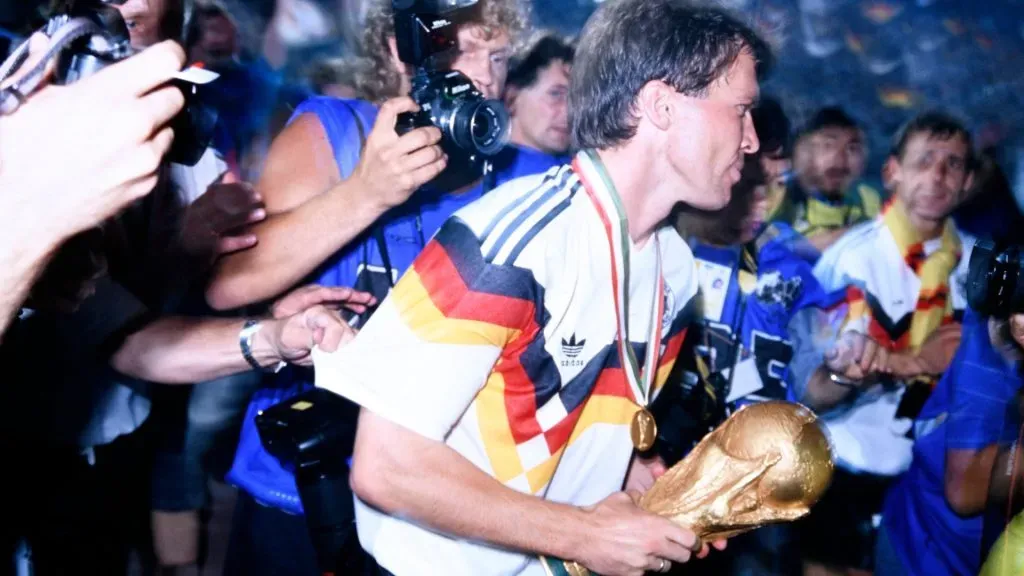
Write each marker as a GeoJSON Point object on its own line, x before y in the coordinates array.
{"type": "Point", "coordinates": [628, 43]}
{"type": "Point", "coordinates": [772, 126]}
{"type": "Point", "coordinates": [935, 124]}
{"type": "Point", "coordinates": [830, 117]}
{"type": "Point", "coordinates": [525, 67]}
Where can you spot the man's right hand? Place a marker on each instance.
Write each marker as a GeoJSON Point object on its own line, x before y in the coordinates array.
{"type": "Point", "coordinates": [392, 167]}
{"type": "Point", "coordinates": [86, 150]}
{"type": "Point", "coordinates": [625, 540]}
{"type": "Point", "coordinates": [856, 357]}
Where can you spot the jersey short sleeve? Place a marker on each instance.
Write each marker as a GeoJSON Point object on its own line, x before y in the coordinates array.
{"type": "Point", "coordinates": [983, 389]}
{"type": "Point", "coordinates": [428, 350]}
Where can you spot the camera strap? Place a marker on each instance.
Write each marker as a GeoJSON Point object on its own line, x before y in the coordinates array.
{"type": "Point", "coordinates": [61, 32]}
{"type": "Point", "coordinates": [378, 228]}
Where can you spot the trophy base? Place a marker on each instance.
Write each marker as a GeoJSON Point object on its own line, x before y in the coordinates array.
{"type": "Point", "coordinates": [555, 567]}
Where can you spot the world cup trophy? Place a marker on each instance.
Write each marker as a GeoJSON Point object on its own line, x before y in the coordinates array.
{"type": "Point", "coordinates": [767, 463]}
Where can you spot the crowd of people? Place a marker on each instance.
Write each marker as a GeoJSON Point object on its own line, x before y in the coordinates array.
{"type": "Point", "coordinates": [657, 240]}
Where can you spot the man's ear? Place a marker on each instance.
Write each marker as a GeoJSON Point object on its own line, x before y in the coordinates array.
{"type": "Point", "coordinates": [891, 173]}
{"type": "Point", "coordinates": [511, 95]}
{"type": "Point", "coordinates": [655, 103]}
{"type": "Point", "coordinates": [968, 183]}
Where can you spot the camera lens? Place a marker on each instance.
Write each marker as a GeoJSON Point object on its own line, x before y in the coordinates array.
{"type": "Point", "coordinates": [481, 126]}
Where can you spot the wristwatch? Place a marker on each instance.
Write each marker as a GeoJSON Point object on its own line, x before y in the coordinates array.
{"type": "Point", "coordinates": [842, 380]}
{"type": "Point", "coordinates": [249, 330]}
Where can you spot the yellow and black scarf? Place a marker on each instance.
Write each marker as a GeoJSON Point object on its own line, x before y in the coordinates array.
{"type": "Point", "coordinates": [934, 306]}
{"type": "Point", "coordinates": [811, 215]}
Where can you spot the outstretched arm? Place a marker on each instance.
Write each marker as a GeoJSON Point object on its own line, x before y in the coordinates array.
{"type": "Point", "coordinates": [312, 213]}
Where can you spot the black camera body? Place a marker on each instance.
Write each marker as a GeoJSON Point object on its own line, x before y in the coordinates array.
{"type": "Point", "coordinates": [472, 127]}
{"type": "Point", "coordinates": [193, 126]}
{"type": "Point", "coordinates": [995, 279]}
{"type": "Point", "coordinates": [313, 435]}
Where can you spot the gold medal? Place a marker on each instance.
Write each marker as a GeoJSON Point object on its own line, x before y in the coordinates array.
{"type": "Point", "coordinates": [644, 430]}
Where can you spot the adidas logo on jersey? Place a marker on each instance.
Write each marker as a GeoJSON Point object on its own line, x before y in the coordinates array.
{"type": "Point", "coordinates": [571, 349]}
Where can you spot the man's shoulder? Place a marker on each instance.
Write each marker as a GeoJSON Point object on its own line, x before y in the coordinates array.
{"type": "Point", "coordinates": [527, 201]}
{"type": "Point", "coordinates": [850, 253]}
{"type": "Point", "coordinates": [515, 162]}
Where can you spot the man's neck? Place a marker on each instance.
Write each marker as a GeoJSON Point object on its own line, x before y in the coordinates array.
{"type": "Point", "coordinates": [833, 197]}
{"type": "Point", "coordinates": [638, 188]}
{"type": "Point", "coordinates": [927, 229]}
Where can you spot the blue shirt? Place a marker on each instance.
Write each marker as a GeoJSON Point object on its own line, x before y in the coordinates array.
{"type": "Point", "coordinates": [778, 287]}
{"type": "Point", "coordinates": [404, 231]}
{"type": "Point", "coordinates": [967, 411]}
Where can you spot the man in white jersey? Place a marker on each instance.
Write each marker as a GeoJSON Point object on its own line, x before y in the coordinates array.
{"type": "Point", "coordinates": [501, 378]}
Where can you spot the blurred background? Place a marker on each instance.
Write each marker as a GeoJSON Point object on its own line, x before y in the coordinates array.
{"type": "Point", "coordinates": [881, 60]}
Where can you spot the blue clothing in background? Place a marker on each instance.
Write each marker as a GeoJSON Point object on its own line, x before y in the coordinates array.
{"type": "Point", "coordinates": [969, 410]}
{"type": "Point", "coordinates": [403, 231]}
{"type": "Point", "coordinates": [784, 286]}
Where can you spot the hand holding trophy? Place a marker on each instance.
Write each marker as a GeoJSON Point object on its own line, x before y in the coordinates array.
{"type": "Point", "coordinates": [767, 463]}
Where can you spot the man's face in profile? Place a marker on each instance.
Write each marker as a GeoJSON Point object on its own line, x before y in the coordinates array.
{"type": "Point", "coordinates": [719, 132]}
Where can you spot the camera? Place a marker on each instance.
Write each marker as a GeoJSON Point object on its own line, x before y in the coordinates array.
{"type": "Point", "coordinates": [105, 40]}
{"type": "Point", "coordinates": [313, 434]}
{"type": "Point", "coordinates": [472, 127]}
{"type": "Point", "coordinates": [995, 284]}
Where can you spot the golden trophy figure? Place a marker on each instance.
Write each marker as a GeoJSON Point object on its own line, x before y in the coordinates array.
{"type": "Point", "coordinates": [767, 463]}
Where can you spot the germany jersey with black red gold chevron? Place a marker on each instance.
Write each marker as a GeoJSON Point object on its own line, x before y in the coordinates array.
{"type": "Point", "coordinates": [501, 342]}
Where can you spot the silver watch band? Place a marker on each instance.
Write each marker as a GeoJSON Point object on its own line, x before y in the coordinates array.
{"type": "Point", "coordinates": [249, 330]}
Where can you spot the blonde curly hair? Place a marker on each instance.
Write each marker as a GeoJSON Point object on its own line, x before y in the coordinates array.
{"type": "Point", "coordinates": [378, 79]}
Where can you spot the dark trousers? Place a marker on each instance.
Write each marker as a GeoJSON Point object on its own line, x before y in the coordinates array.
{"type": "Point", "coordinates": [268, 542]}
{"type": "Point", "coordinates": [839, 530]}
{"type": "Point", "coordinates": [77, 517]}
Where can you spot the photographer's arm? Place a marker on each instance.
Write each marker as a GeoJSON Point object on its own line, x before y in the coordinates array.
{"type": "Point", "coordinates": [305, 223]}
{"type": "Point", "coordinates": [972, 477]}
{"type": "Point", "coordinates": [97, 176]}
{"type": "Point", "coordinates": [179, 350]}
{"type": "Point", "coordinates": [932, 359]}
{"type": "Point", "coordinates": [22, 259]}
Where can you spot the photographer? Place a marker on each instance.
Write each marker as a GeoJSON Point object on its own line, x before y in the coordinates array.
{"type": "Point", "coordinates": [933, 516]}
{"type": "Point", "coordinates": [80, 417]}
{"type": "Point", "coordinates": [351, 203]}
{"type": "Point", "coordinates": [503, 432]}
{"type": "Point", "coordinates": [315, 210]}
{"type": "Point", "coordinates": [98, 176]}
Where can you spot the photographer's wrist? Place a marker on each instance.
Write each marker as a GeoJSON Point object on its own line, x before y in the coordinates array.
{"type": "Point", "coordinates": [260, 343]}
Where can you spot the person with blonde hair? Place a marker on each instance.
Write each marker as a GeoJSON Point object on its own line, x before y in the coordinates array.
{"type": "Point", "coordinates": [352, 203]}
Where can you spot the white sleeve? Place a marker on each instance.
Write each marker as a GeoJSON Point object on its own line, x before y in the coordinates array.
{"type": "Point", "coordinates": [432, 344]}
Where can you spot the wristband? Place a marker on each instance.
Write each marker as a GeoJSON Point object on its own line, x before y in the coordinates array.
{"type": "Point", "coordinates": [249, 330]}
{"type": "Point", "coordinates": [842, 380]}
